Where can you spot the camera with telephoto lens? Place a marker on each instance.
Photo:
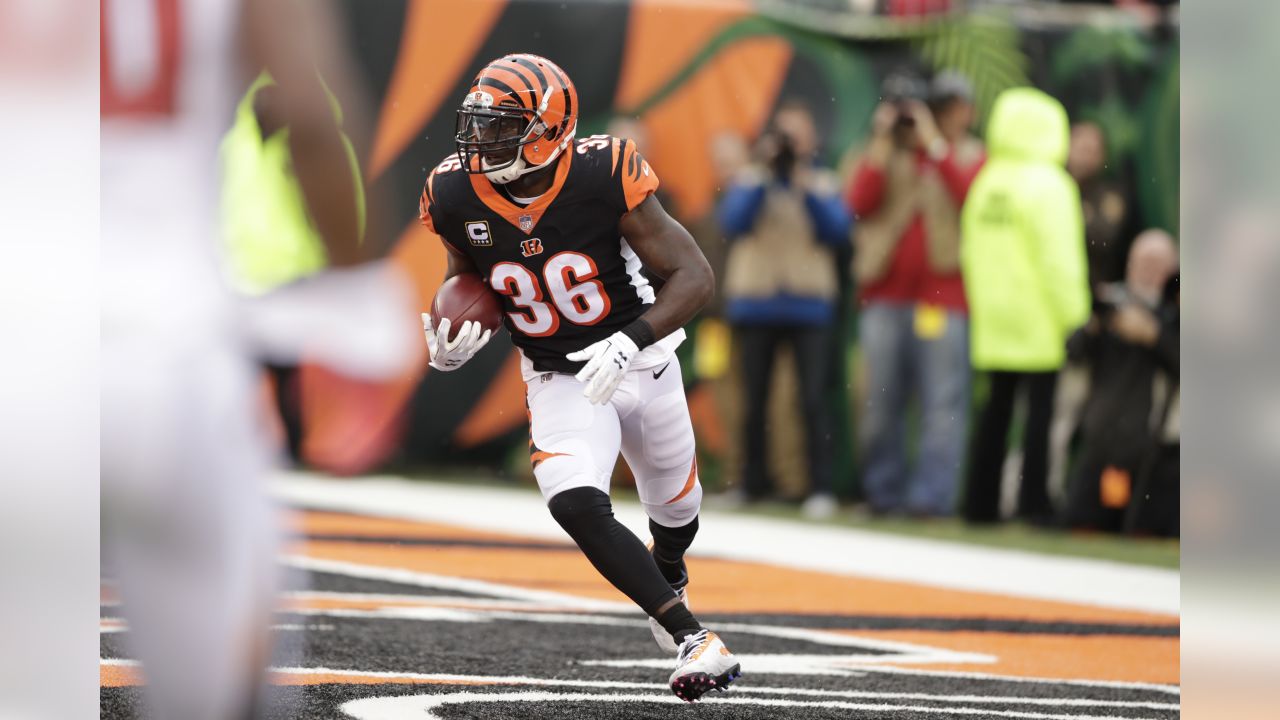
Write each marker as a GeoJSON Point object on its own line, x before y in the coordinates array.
{"type": "Point", "coordinates": [1107, 297]}
{"type": "Point", "coordinates": [900, 88]}
{"type": "Point", "coordinates": [782, 163]}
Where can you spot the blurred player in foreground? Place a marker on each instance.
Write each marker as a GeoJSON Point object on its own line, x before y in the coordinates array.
{"type": "Point", "coordinates": [187, 526]}
{"type": "Point", "coordinates": [561, 230]}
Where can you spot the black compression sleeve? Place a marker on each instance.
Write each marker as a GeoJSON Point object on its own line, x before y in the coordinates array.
{"type": "Point", "coordinates": [587, 515]}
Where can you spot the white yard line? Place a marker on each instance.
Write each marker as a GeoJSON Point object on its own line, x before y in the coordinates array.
{"type": "Point", "coordinates": [843, 551]}
{"type": "Point", "coordinates": [447, 678]}
{"type": "Point", "coordinates": [421, 706]}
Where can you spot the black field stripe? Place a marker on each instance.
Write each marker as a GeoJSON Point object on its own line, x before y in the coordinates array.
{"type": "Point", "coordinates": [948, 624]}
{"type": "Point", "coordinates": [443, 542]}
{"type": "Point", "coordinates": [501, 87]}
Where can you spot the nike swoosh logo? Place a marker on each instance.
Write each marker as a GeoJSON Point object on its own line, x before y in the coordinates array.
{"type": "Point", "coordinates": [658, 373]}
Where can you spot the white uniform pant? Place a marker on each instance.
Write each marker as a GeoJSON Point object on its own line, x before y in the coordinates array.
{"type": "Point", "coordinates": [576, 443]}
{"type": "Point", "coordinates": [187, 527]}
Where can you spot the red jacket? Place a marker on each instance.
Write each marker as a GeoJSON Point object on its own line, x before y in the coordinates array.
{"type": "Point", "coordinates": [909, 278]}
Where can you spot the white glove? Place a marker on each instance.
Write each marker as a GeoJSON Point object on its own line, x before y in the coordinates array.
{"type": "Point", "coordinates": [449, 355]}
{"type": "Point", "coordinates": [607, 363]}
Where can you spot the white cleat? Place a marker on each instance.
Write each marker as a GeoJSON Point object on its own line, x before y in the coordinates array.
{"type": "Point", "coordinates": [660, 634]}
{"type": "Point", "coordinates": [703, 663]}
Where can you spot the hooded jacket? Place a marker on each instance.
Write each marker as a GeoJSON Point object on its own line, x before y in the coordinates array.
{"type": "Point", "coordinates": [1022, 250]}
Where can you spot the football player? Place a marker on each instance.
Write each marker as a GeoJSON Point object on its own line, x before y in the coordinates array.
{"type": "Point", "coordinates": [187, 527]}
{"type": "Point", "coordinates": [561, 229]}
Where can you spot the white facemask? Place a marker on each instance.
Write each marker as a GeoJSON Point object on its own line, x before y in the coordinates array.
{"type": "Point", "coordinates": [520, 167]}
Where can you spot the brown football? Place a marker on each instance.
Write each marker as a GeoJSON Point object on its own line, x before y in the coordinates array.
{"type": "Point", "coordinates": [466, 297]}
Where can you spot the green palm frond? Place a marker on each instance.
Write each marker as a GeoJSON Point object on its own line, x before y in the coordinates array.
{"type": "Point", "coordinates": [1121, 126]}
{"type": "Point", "coordinates": [985, 47]}
{"type": "Point", "coordinates": [1092, 46]}
{"type": "Point", "coordinates": [1158, 157]}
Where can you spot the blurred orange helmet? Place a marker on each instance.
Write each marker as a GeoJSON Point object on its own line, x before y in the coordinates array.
{"type": "Point", "coordinates": [519, 115]}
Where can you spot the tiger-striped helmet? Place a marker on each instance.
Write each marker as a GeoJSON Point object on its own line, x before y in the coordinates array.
{"type": "Point", "coordinates": [519, 115]}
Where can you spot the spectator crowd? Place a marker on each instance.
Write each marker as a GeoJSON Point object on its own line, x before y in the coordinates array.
{"type": "Point", "coordinates": [999, 301]}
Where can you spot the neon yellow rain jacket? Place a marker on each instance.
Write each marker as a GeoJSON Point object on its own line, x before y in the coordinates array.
{"type": "Point", "coordinates": [1022, 248]}
{"type": "Point", "coordinates": [269, 238]}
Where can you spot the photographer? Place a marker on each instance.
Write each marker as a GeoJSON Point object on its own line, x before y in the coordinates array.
{"type": "Point", "coordinates": [1123, 479]}
{"type": "Point", "coordinates": [907, 191]}
{"type": "Point", "coordinates": [787, 226]}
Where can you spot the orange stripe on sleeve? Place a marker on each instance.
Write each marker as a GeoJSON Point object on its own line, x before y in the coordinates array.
{"type": "Point", "coordinates": [639, 181]}
{"type": "Point", "coordinates": [424, 205]}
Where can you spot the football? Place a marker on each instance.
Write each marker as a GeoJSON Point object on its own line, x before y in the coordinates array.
{"type": "Point", "coordinates": [466, 297]}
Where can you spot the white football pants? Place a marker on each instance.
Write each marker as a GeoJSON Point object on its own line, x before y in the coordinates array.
{"type": "Point", "coordinates": [576, 443]}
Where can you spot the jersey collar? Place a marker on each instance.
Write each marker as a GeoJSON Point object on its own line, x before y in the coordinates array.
{"type": "Point", "coordinates": [513, 213]}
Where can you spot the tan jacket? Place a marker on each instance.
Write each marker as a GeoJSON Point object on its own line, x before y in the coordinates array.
{"type": "Point", "coordinates": [908, 191]}
{"type": "Point", "coordinates": [782, 253]}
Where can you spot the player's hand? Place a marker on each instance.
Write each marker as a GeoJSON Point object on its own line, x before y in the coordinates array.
{"type": "Point", "coordinates": [607, 363]}
{"type": "Point", "coordinates": [449, 354]}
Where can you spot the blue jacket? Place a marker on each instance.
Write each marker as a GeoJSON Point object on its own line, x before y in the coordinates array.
{"type": "Point", "coordinates": [782, 262]}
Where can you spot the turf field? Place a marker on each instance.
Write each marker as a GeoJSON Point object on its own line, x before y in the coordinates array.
{"type": "Point", "coordinates": [418, 600]}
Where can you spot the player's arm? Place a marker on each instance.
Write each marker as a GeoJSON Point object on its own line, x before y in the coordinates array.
{"type": "Point", "coordinates": [458, 263]}
{"type": "Point", "coordinates": [452, 353]}
{"type": "Point", "coordinates": [299, 42]}
{"type": "Point", "coordinates": [668, 250]}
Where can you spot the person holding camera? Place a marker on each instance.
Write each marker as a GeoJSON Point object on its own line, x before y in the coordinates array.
{"type": "Point", "coordinates": [1123, 478]}
{"type": "Point", "coordinates": [786, 227]}
{"type": "Point", "coordinates": [907, 191]}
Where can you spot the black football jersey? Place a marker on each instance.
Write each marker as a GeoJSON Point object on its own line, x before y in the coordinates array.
{"type": "Point", "coordinates": [565, 275]}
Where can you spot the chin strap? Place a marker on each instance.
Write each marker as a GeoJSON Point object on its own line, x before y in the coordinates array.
{"type": "Point", "coordinates": [510, 172]}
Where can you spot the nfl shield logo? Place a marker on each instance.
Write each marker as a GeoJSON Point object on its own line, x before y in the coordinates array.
{"type": "Point", "coordinates": [526, 222]}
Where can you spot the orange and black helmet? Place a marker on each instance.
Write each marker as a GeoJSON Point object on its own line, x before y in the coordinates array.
{"type": "Point", "coordinates": [520, 113]}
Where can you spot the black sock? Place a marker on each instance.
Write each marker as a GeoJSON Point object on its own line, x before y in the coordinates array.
{"type": "Point", "coordinates": [678, 621]}
{"type": "Point", "coordinates": [669, 546]}
{"type": "Point", "coordinates": [587, 515]}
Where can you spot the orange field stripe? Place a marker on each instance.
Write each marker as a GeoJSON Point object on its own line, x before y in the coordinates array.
{"type": "Point", "coordinates": [1079, 657]}
{"type": "Point", "coordinates": [131, 676]}
{"type": "Point", "coordinates": [323, 523]}
{"type": "Point", "coordinates": [119, 675]}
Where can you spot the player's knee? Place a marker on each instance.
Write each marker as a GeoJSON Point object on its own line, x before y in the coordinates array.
{"type": "Point", "coordinates": [580, 509]}
{"type": "Point", "coordinates": [680, 512]}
